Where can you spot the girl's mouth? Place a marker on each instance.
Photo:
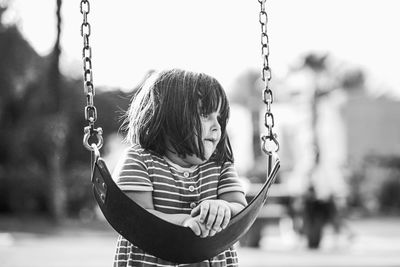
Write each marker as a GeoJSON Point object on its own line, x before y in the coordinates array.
{"type": "Point", "coordinates": [212, 140]}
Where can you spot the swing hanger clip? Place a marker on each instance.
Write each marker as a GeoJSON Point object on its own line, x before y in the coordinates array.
{"type": "Point", "coordinates": [270, 143]}
{"type": "Point", "coordinates": [91, 134]}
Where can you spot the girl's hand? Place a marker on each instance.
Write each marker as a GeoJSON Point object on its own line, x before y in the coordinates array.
{"type": "Point", "coordinates": [193, 224]}
{"type": "Point", "coordinates": [197, 227]}
{"type": "Point", "coordinates": [214, 214]}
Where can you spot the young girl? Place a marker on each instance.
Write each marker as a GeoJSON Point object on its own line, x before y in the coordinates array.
{"type": "Point", "coordinates": [180, 164]}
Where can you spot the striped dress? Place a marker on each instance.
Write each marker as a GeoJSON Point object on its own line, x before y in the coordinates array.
{"type": "Point", "coordinates": [175, 190]}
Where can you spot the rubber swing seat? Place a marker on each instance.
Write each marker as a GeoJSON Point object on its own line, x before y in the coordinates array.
{"type": "Point", "coordinates": [165, 240]}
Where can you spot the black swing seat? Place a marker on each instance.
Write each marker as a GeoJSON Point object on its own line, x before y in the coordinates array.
{"type": "Point", "coordinates": [165, 240]}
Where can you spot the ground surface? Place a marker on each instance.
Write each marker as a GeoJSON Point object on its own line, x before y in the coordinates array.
{"type": "Point", "coordinates": [32, 243]}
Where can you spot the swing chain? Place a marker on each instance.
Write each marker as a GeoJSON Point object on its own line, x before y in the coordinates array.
{"type": "Point", "coordinates": [269, 140]}
{"type": "Point", "coordinates": [90, 132]}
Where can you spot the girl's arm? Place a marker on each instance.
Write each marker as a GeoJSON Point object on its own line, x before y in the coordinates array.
{"type": "Point", "coordinates": [145, 199]}
{"type": "Point", "coordinates": [236, 201]}
{"type": "Point", "coordinates": [215, 214]}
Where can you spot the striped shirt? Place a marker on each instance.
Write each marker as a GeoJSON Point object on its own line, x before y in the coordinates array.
{"type": "Point", "coordinates": [175, 190]}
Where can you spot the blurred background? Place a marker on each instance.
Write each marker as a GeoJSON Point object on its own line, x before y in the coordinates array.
{"type": "Point", "coordinates": [336, 104]}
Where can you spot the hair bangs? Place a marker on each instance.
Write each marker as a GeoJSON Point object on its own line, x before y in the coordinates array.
{"type": "Point", "coordinates": [212, 98]}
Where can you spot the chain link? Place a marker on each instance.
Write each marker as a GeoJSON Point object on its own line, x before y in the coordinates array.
{"type": "Point", "coordinates": [269, 139]}
{"type": "Point", "coordinates": [90, 133]}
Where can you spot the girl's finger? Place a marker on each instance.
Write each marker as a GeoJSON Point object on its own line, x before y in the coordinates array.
{"type": "Point", "coordinates": [195, 228]}
{"type": "Point", "coordinates": [227, 218]}
{"type": "Point", "coordinates": [204, 207]}
{"type": "Point", "coordinates": [195, 211]}
{"type": "Point", "coordinates": [204, 231]}
{"type": "Point", "coordinates": [219, 219]}
{"type": "Point", "coordinates": [212, 232]}
{"type": "Point", "coordinates": [212, 214]}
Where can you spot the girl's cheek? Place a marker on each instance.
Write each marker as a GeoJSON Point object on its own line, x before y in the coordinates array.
{"type": "Point", "coordinates": [203, 127]}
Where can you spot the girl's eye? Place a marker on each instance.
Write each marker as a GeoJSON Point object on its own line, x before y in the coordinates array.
{"type": "Point", "coordinates": [204, 116]}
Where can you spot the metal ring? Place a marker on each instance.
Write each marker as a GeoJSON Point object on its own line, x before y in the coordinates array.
{"type": "Point", "coordinates": [88, 134]}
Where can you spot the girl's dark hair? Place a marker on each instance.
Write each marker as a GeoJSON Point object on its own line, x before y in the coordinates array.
{"type": "Point", "coordinates": [168, 106]}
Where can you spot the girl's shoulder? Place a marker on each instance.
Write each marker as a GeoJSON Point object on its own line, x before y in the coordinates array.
{"type": "Point", "coordinates": [221, 167]}
{"type": "Point", "coordinates": [144, 155]}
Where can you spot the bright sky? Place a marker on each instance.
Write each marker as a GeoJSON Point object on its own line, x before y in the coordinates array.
{"type": "Point", "coordinates": [219, 37]}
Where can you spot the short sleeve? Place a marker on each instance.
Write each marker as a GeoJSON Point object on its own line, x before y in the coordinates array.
{"type": "Point", "coordinates": [131, 174]}
{"type": "Point", "coordinates": [229, 180]}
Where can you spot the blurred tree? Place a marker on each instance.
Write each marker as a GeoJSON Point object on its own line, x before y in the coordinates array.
{"type": "Point", "coordinates": [19, 65]}
{"type": "Point", "coordinates": [55, 128]}
{"type": "Point", "coordinates": [42, 120]}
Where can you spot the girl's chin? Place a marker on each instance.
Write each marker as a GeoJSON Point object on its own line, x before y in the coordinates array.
{"type": "Point", "coordinates": [209, 149]}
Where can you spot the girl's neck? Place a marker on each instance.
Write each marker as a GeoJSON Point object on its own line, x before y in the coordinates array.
{"type": "Point", "coordinates": [174, 158]}
{"type": "Point", "coordinates": [190, 161]}
{"type": "Point", "coordinates": [180, 164]}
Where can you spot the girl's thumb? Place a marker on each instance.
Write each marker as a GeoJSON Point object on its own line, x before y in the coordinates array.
{"type": "Point", "coordinates": [195, 211]}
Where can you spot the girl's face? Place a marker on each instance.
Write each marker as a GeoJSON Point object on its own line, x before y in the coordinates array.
{"type": "Point", "coordinates": [211, 135]}
{"type": "Point", "coordinates": [211, 132]}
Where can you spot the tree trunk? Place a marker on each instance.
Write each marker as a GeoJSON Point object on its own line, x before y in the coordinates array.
{"type": "Point", "coordinates": [57, 194]}
{"type": "Point", "coordinates": [57, 130]}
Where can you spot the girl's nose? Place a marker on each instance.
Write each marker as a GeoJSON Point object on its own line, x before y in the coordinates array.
{"type": "Point", "coordinates": [215, 124]}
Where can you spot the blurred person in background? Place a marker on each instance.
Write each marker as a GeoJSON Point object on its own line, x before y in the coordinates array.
{"type": "Point", "coordinates": [317, 178]}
